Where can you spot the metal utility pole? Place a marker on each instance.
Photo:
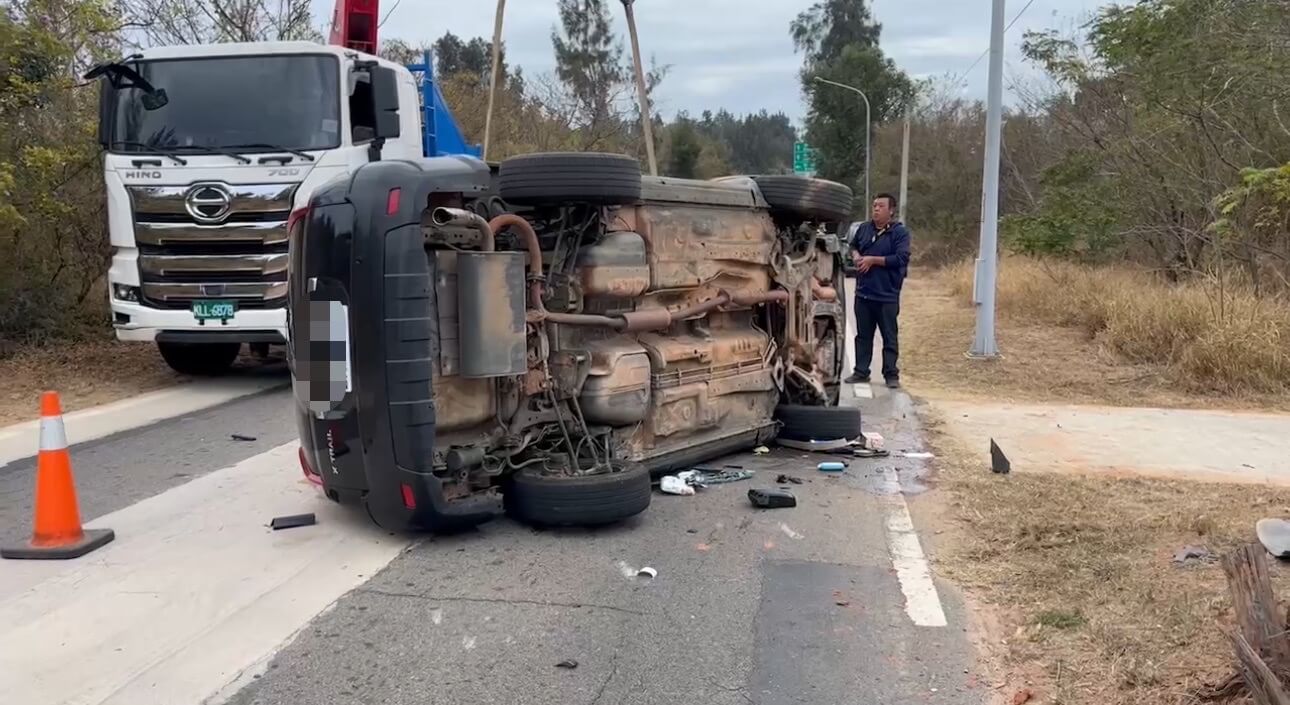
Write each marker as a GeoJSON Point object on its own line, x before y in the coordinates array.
{"type": "Point", "coordinates": [868, 121]}
{"type": "Point", "coordinates": [647, 127]}
{"type": "Point", "coordinates": [987, 263]}
{"type": "Point", "coordinates": [497, 71]}
{"type": "Point", "coordinates": [904, 170]}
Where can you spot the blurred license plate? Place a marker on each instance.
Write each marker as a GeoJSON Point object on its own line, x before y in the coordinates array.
{"type": "Point", "coordinates": [214, 310]}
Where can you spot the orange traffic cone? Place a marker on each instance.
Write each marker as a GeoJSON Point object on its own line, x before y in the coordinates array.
{"type": "Point", "coordinates": [56, 530]}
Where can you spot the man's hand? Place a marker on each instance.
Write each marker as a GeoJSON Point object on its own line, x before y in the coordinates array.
{"type": "Point", "coordinates": [855, 259]}
{"type": "Point", "coordinates": [864, 264]}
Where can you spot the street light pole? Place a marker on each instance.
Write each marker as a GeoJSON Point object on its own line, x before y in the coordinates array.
{"type": "Point", "coordinates": [904, 170]}
{"type": "Point", "coordinates": [983, 343]}
{"type": "Point", "coordinates": [868, 200]}
{"type": "Point", "coordinates": [647, 127]}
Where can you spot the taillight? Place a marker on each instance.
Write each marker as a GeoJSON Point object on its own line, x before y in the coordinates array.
{"type": "Point", "coordinates": [409, 497]}
{"type": "Point", "coordinates": [392, 201]}
{"type": "Point", "coordinates": [296, 216]}
{"type": "Point", "coordinates": [308, 470]}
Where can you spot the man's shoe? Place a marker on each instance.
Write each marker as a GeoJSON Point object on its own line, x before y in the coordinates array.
{"type": "Point", "coordinates": [856, 378]}
{"type": "Point", "coordinates": [893, 383]}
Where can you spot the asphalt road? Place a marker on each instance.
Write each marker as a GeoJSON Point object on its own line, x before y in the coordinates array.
{"type": "Point", "coordinates": [798, 605]}
{"type": "Point", "coordinates": [117, 471]}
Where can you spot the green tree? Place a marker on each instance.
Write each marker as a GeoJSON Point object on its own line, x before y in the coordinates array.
{"type": "Point", "coordinates": [51, 185]}
{"type": "Point", "coordinates": [589, 60]}
{"type": "Point", "coordinates": [839, 42]}
{"type": "Point", "coordinates": [684, 149]}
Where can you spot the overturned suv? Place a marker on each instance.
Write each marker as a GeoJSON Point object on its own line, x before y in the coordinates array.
{"type": "Point", "coordinates": [541, 337]}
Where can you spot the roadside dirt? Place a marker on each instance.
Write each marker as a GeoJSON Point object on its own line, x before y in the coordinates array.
{"type": "Point", "coordinates": [85, 374]}
{"type": "Point", "coordinates": [1071, 574]}
{"type": "Point", "coordinates": [1040, 363]}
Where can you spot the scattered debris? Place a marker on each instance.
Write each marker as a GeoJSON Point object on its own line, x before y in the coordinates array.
{"type": "Point", "coordinates": [872, 440]}
{"type": "Point", "coordinates": [626, 570]}
{"type": "Point", "coordinates": [772, 499]}
{"type": "Point", "coordinates": [703, 476]}
{"type": "Point", "coordinates": [1274, 534]}
{"type": "Point", "coordinates": [647, 572]}
{"type": "Point", "coordinates": [788, 531]}
{"type": "Point", "coordinates": [702, 547]}
{"type": "Point", "coordinates": [867, 453]}
{"type": "Point", "coordinates": [671, 484]}
{"type": "Point", "coordinates": [691, 531]}
{"type": "Point", "coordinates": [831, 466]}
{"type": "Point", "coordinates": [1023, 696]}
{"type": "Point", "coordinates": [761, 450]}
{"type": "Point", "coordinates": [567, 663]}
{"type": "Point", "coordinates": [816, 446]}
{"type": "Point", "coordinates": [788, 479]}
{"type": "Point", "coordinates": [839, 599]}
{"type": "Point", "coordinates": [436, 615]}
{"type": "Point", "coordinates": [999, 462]}
{"type": "Point", "coordinates": [920, 455]}
{"type": "Point", "coordinates": [293, 521]}
{"type": "Point", "coordinates": [1186, 554]}
{"type": "Point", "coordinates": [240, 437]}
{"type": "Point", "coordinates": [468, 643]}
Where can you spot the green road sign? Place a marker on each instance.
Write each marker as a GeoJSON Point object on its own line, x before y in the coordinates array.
{"type": "Point", "coordinates": [803, 159]}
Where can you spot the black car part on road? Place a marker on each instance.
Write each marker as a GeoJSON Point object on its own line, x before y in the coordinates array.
{"type": "Point", "coordinates": [817, 423]}
{"type": "Point", "coordinates": [586, 500]}
{"type": "Point", "coordinates": [804, 197]}
{"type": "Point", "coordinates": [555, 178]}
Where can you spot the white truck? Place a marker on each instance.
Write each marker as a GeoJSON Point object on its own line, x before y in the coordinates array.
{"type": "Point", "coordinates": [211, 150]}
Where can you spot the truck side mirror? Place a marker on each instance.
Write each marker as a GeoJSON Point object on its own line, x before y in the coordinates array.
{"type": "Point", "coordinates": [385, 102]}
{"type": "Point", "coordinates": [105, 113]}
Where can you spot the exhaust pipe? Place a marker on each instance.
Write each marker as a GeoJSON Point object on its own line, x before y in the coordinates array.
{"type": "Point", "coordinates": [466, 219]}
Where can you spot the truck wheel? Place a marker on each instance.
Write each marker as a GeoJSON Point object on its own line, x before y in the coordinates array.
{"type": "Point", "coordinates": [585, 500]}
{"type": "Point", "coordinates": [555, 178]}
{"type": "Point", "coordinates": [199, 359]}
{"type": "Point", "coordinates": [803, 197]}
{"type": "Point", "coordinates": [817, 423]}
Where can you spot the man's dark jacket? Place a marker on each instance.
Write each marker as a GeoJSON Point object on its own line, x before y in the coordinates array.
{"type": "Point", "coordinates": [892, 243]}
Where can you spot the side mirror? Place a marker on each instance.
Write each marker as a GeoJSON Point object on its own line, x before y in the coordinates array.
{"type": "Point", "coordinates": [154, 100]}
{"type": "Point", "coordinates": [106, 110]}
{"type": "Point", "coordinates": [385, 102]}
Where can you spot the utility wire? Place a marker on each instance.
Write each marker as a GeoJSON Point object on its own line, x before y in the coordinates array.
{"type": "Point", "coordinates": [985, 53]}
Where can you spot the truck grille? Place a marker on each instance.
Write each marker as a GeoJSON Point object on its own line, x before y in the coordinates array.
{"type": "Point", "coordinates": [190, 250]}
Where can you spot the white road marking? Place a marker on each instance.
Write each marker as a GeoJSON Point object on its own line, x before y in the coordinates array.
{"type": "Point", "coordinates": [21, 440]}
{"type": "Point", "coordinates": [195, 590]}
{"type": "Point", "coordinates": [922, 602]}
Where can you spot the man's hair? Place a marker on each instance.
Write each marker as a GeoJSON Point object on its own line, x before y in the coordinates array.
{"type": "Point", "coordinates": [891, 201]}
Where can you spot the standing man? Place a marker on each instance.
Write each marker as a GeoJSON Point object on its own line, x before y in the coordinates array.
{"type": "Point", "coordinates": [880, 250]}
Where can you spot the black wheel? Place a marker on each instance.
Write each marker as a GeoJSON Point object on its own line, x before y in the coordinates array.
{"type": "Point", "coordinates": [807, 198]}
{"type": "Point", "coordinates": [585, 500]}
{"type": "Point", "coordinates": [554, 178]}
{"type": "Point", "coordinates": [200, 359]}
{"type": "Point", "coordinates": [817, 423]}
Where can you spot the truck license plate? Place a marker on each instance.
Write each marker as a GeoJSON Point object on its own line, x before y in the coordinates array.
{"type": "Point", "coordinates": [216, 310]}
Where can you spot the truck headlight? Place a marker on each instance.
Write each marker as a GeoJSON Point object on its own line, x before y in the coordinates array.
{"type": "Point", "coordinates": [125, 292]}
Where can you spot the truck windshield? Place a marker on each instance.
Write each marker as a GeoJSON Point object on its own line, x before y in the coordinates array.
{"type": "Point", "coordinates": [288, 101]}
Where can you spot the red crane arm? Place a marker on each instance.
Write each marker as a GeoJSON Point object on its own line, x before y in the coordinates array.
{"type": "Point", "coordinates": [353, 24]}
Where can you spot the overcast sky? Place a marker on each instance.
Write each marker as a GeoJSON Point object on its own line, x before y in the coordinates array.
{"type": "Point", "coordinates": [737, 54]}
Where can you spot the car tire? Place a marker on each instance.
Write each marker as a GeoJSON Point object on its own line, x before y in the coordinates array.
{"type": "Point", "coordinates": [586, 500]}
{"type": "Point", "coordinates": [817, 423]}
{"type": "Point", "coordinates": [200, 359]}
{"type": "Point", "coordinates": [555, 178]}
{"type": "Point", "coordinates": [806, 198]}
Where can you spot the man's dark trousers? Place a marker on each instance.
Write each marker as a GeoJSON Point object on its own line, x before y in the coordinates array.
{"type": "Point", "coordinates": [882, 316]}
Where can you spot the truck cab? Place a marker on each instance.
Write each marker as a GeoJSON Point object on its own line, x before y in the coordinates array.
{"type": "Point", "coordinates": [209, 152]}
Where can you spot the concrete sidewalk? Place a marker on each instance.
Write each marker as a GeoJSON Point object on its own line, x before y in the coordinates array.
{"type": "Point", "coordinates": [1190, 444]}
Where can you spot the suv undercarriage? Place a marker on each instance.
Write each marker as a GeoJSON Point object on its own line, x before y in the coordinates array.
{"type": "Point", "coordinates": [543, 337]}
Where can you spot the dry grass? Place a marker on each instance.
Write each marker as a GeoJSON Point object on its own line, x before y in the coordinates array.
{"type": "Point", "coordinates": [1049, 354]}
{"type": "Point", "coordinates": [1209, 341]}
{"type": "Point", "coordinates": [84, 373]}
{"type": "Point", "coordinates": [1079, 576]}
